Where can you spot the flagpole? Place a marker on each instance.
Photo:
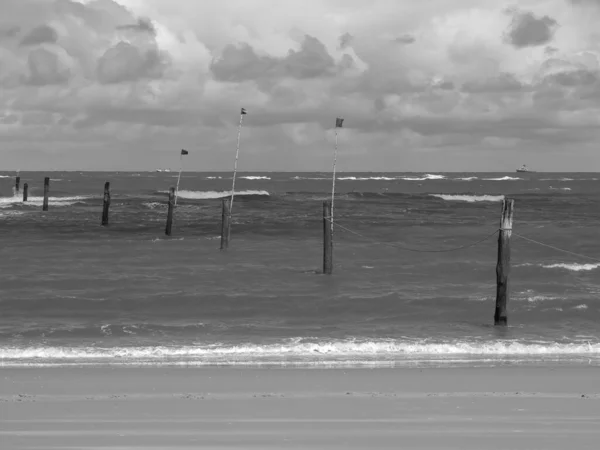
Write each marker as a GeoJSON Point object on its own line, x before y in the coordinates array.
{"type": "Point", "coordinates": [237, 154]}
{"type": "Point", "coordinates": [334, 164]}
{"type": "Point", "coordinates": [179, 177]}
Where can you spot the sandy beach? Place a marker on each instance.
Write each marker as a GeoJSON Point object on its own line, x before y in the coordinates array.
{"type": "Point", "coordinates": [228, 408]}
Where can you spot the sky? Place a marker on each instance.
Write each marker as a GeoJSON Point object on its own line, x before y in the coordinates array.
{"type": "Point", "coordinates": [429, 85]}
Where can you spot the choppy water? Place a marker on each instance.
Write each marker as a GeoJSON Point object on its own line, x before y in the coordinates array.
{"type": "Point", "coordinates": [73, 292]}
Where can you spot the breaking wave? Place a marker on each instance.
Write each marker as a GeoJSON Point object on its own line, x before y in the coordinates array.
{"type": "Point", "coordinates": [572, 266]}
{"type": "Point", "coordinates": [202, 195]}
{"type": "Point", "coordinates": [427, 176]}
{"type": "Point", "coordinates": [377, 350]}
{"type": "Point", "coordinates": [6, 202]}
{"type": "Point", "coordinates": [502, 179]}
{"type": "Point", "coordinates": [251, 177]}
{"type": "Point", "coordinates": [470, 198]}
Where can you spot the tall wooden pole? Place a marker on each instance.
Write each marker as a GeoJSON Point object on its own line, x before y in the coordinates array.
{"type": "Point", "coordinates": [106, 204]}
{"type": "Point", "coordinates": [170, 211]}
{"type": "Point", "coordinates": [46, 192]}
{"type": "Point", "coordinates": [17, 185]}
{"type": "Point", "coordinates": [25, 193]}
{"type": "Point", "coordinates": [327, 239]}
{"type": "Point", "coordinates": [503, 265]}
{"type": "Point", "coordinates": [225, 218]}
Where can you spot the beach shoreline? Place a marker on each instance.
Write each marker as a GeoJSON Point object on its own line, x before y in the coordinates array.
{"type": "Point", "coordinates": [530, 407]}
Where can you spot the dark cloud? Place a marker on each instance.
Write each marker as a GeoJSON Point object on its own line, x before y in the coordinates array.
{"type": "Point", "coordinates": [445, 85]}
{"type": "Point", "coordinates": [527, 30]}
{"type": "Point", "coordinates": [143, 25]}
{"type": "Point", "coordinates": [9, 119]}
{"type": "Point", "coordinates": [505, 82]}
{"type": "Point", "coordinates": [9, 32]}
{"type": "Point", "coordinates": [405, 39]}
{"type": "Point", "coordinates": [40, 35]}
{"type": "Point", "coordinates": [125, 62]}
{"type": "Point", "coordinates": [242, 63]}
{"type": "Point", "coordinates": [580, 77]}
{"type": "Point", "coordinates": [45, 67]}
{"type": "Point", "coordinates": [345, 40]}
{"type": "Point", "coordinates": [549, 50]}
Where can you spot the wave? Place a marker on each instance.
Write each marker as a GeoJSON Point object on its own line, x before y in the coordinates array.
{"type": "Point", "coordinates": [560, 189]}
{"type": "Point", "coordinates": [427, 176]}
{"type": "Point", "coordinates": [310, 178]}
{"type": "Point", "coordinates": [502, 179]}
{"type": "Point", "coordinates": [6, 202]}
{"type": "Point", "coordinates": [572, 267]}
{"type": "Point", "coordinates": [252, 177]}
{"type": "Point", "coordinates": [303, 350]}
{"type": "Point", "coordinates": [365, 178]}
{"type": "Point", "coordinates": [205, 195]}
{"type": "Point", "coordinates": [469, 198]}
{"type": "Point", "coordinates": [467, 179]}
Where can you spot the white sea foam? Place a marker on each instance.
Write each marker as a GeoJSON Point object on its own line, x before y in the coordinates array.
{"type": "Point", "coordinates": [503, 179]}
{"type": "Point", "coordinates": [213, 178]}
{"type": "Point", "coordinates": [560, 189]}
{"type": "Point", "coordinates": [572, 266]}
{"type": "Point", "coordinates": [335, 349]}
{"type": "Point", "coordinates": [310, 178]}
{"type": "Point", "coordinates": [470, 198]}
{"type": "Point", "coordinates": [201, 195]}
{"type": "Point", "coordinates": [466, 179]}
{"type": "Point", "coordinates": [427, 176]}
{"type": "Point", "coordinates": [365, 178]}
{"type": "Point", "coordinates": [251, 177]}
{"type": "Point", "coordinates": [6, 202]}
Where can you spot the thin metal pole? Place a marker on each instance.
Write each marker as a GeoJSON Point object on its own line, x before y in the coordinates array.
{"type": "Point", "coordinates": [237, 155]}
{"type": "Point", "coordinates": [179, 177]}
{"type": "Point", "coordinates": [333, 187]}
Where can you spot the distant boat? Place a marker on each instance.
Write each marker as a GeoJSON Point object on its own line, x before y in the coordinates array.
{"type": "Point", "coordinates": [524, 168]}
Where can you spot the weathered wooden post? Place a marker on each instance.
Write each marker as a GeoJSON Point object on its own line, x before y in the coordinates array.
{"type": "Point", "coordinates": [106, 204]}
{"type": "Point", "coordinates": [46, 192]}
{"type": "Point", "coordinates": [25, 188]}
{"type": "Point", "coordinates": [327, 239]}
{"type": "Point", "coordinates": [503, 265]}
{"type": "Point", "coordinates": [17, 185]}
{"type": "Point", "coordinates": [170, 211]}
{"type": "Point", "coordinates": [225, 224]}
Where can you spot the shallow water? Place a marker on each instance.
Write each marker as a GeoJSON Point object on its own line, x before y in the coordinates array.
{"type": "Point", "coordinates": [72, 291]}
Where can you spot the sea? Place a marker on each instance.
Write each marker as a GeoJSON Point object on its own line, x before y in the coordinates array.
{"type": "Point", "coordinates": [413, 283]}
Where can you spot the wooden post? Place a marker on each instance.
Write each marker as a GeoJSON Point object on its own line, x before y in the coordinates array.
{"type": "Point", "coordinates": [25, 188]}
{"type": "Point", "coordinates": [327, 239]}
{"type": "Point", "coordinates": [170, 211]}
{"type": "Point", "coordinates": [46, 192]}
{"type": "Point", "coordinates": [17, 185]}
{"type": "Point", "coordinates": [106, 203]}
{"type": "Point", "coordinates": [225, 224]}
{"type": "Point", "coordinates": [503, 265]}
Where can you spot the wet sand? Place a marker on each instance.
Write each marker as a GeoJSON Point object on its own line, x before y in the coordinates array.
{"type": "Point", "coordinates": [228, 408]}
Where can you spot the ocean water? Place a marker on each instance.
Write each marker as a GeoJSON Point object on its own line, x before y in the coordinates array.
{"type": "Point", "coordinates": [75, 293]}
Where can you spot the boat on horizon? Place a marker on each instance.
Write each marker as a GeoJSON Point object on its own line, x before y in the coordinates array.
{"type": "Point", "coordinates": [524, 168]}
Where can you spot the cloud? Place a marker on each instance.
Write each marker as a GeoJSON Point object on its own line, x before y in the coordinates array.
{"type": "Point", "coordinates": [46, 68]}
{"type": "Point", "coordinates": [422, 85]}
{"type": "Point", "coordinates": [405, 39]}
{"type": "Point", "coordinates": [40, 35]}
{"type": "Point", "coordinates": [126, 62]}
{"type": "Point", "coordinates": [142, 25]}
{"type": "Point", "coordinates": [527, 30]}
{"type": "Point", "coordinates": [240, 63]}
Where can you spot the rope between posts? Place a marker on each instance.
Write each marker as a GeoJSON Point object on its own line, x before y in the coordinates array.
{"type": "Point", "coordinates": [556, 248]}
{"type": "Point", "coordinates": [390, 244]}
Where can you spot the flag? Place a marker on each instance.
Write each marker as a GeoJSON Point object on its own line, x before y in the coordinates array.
{"type": "Point", "coordinates": [184, 152]}
{"type": "Point", "coordinates": [338, 122]}
{"type": "Point", "coordinates": [243, 111]}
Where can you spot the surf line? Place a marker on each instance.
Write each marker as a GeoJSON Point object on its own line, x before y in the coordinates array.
{"type": "Point", "coordinates": [338, 124]}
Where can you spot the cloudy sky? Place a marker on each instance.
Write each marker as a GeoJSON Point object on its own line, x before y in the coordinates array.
{"type": "Point", "coordinates": [428, 85]}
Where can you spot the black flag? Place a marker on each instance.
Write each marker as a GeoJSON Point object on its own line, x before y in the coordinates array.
{"type": "Point", "coordinates": [184, 152]}
{"type": "Point", "coordinates": [243, 111]}
{"type": "Point", "coordinates": [338, 122]}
